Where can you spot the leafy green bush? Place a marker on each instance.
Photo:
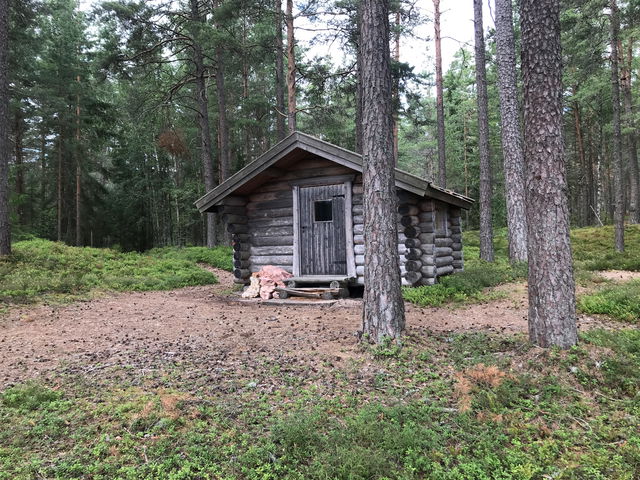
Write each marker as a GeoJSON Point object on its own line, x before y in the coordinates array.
{"type": "Point", "coordinates": [218, 257]}
{"type": "Point", "coordinates": [462, 286]}
{"type": "Point", "coordinates": [41, 267]}
{"type": "Point", "coordinates": [593, 248]}
{"type": "Point", "coordinates": [30, 396]}
{"type": "Point", "coordinates": [621, 369]}
{"type": "Point", "coordinates": [619, 301]}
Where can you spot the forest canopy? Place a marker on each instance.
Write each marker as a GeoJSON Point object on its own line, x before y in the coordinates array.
{"type": "Point", "coordinates": [107, 145]}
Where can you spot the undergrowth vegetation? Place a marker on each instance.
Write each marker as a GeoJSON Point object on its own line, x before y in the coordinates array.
{"type": "Point", "coordinates": [592, 251]}
{"type": "Point", "coordinates": [469, 406]}
{"type": "Point", "coordinates": [618, 301]}
{"type": "Point", "coordinates": [41, 269]}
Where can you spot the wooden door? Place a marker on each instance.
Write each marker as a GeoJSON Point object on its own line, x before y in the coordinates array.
{"type": "Point", "coordinates": [322, 245]}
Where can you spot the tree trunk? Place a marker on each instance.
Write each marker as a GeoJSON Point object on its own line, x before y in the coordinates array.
{"type": "Point", "coordinates": [281, 129]}
{"type": "Point", "coordinates": [78, 173]}
{"type": "Point", "coordinates": [59, 184]}
{"type": "Point", "coordinates": [631, 139]}
{"type": "Point", "coordinates": [223, 125]}
{"type": "Point", "coordinates": [19, 165]}
{"type": "Point", "coordinates": [5, 225]}
{"type": "Point", "coordinates": [43, 170]}
{"type": "Point", "coordinates": [359, 79]}
{"type": "Point", "coordinates": [616, 144]}
{"type": "Point", "coordinates": [486, 227]}
{"type": "Point", "coordinates": [395, 92]}
{"type": "Point", "coordinates": [552, 316]}
{"type": "Point", "coordinates": [383, 313]}
{"type": "Point", "coordinates": [442, 158]}
{"type": "Point", "coordinates": [291, 70]}
{"type": "Point", "coordinates": [510, 132]}
{"type": "Point", "coordinates": [583, 196]}
{"type": "Point", "coordinates": [204, 129]}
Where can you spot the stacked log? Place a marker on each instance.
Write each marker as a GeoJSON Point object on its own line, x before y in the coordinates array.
{"type": "Point", "coordinates": [270, 218]}
{"type": "Point", "coordinates": [455, 230]}
{"type": "Point", "coordinates": [426, 238]}
{"type": "Point", "coordinates": [409, 230]}
{"type": "Point", "coordinates": [234, 215]}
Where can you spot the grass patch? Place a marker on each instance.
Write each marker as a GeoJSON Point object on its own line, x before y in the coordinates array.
{"type": "Point", "coordinates": [472, 406]}
{"type": "Point", "coordinates": [40, 269]}
{"type": "Point", "coordinates": [218, 257]}
{"type": "Point", "coordinates": [467, 285]}
{"type": "Point", "coordinates": [593, 248]}
{"type": "Point", "coordinates": [621, 302]}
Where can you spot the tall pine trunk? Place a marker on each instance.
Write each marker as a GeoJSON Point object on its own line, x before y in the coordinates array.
{"type": "Point", "coordinates": [630, 135]}
{"type": "Point", "coordinates": [395, 90]}
{"type": "Point", "coordinates": [5, 225]}
{"type": "Point", "coordinates": [359, 77]}
{"type": "Point", "coordinates": [19, 164]}
{"type": "Point", "coordinates": [281, 128]}
{"type": "Point", "coordinates": [486, 226]}
{"type": "Point", "coordinates": [616, 141]}
{"type": "Point", "coordinates": [204, 127]}
{"type": "Point", "coordinates": [291, 69]}
{"type": "Point", "coordinates": [59, 184]}
{"type": "Point", "coordinates": [224, 151]}
{"type": "Point", "coordinates": [552, 315]}
{"type": "Point", "coordinates": [442, 158]}
{"type": "Point", "coordinates": [510, 132]}
{"type": "Point", "coordinates": [78, 172]}
{"type": "Point", "coordinates": [383, 313]}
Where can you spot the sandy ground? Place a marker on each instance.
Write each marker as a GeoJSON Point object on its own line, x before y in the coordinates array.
{"type": "Point", "coordinates": [207, 327]}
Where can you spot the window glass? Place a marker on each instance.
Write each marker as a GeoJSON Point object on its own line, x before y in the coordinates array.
{"type": "Point", "coordinates": [323, 210]}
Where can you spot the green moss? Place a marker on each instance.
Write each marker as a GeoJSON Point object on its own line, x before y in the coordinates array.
{"type": "Point", "coordinates": [619, 301]}
{"type": "Point", "coordinates": [40, 268]}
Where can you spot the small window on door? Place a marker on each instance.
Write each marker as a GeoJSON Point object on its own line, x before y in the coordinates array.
{"type": "Point", "coordinates": [323, 210]}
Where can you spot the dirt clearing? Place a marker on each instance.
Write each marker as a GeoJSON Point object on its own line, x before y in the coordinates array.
{"type": "Point", "coordinates": [206, 329]}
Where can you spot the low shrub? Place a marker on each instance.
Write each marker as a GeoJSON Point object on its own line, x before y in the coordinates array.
{"type": "Point", "coordinates": [41, 267]}
{"type": "Point", "coordinates": [465, 285]}
{"type": "Point", "coordinates": [619, 301]}
{"type": "Point", "coordinates": [218, 257]}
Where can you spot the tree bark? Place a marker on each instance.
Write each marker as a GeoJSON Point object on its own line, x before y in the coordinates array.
{"type": "Point", "coordinates": [19, 164]}
{"type": "Point", "coordinates": [510, 132]}
{"type": "Point", "coordinates": [552, 316]}
{"type": "Point", "coordinates": [281, 129]}
{"type": "Point", "coordinates": [5, 224]}
{"type": "Point", "coordinates": [442, 158]}
{"type": "Point", "coordinates": [224, 151]}
{"type": "Point", "coordinates": [616, 143]}
{"type": "Point", "coordinates": [78, 172]}
{"type": "Point", "coordinates": [631, 139]}
{"type": "Point", "coordinates": [486, 226]}
{"type": "Point", "coordinates": [395, 91]}
{"type": "Point", "coordinates": [359, 79]}
{"type": "Point", "coordinates": [204, 127]}
{"type": "Point", "coordinates": [582, 162]}
{"type": "Point", "coordinates": [383, 313]}
{"type": "Point", "coordinates": [59, 185]}
{"type": "Point", "coordinates": [291, 69]}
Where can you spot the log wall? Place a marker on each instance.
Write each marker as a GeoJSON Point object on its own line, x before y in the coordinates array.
{"type": "Point", "coordinates": [261, 224]}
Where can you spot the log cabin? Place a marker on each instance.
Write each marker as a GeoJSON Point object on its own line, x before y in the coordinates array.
{"type": "Point", "coordinates": [299, 207]}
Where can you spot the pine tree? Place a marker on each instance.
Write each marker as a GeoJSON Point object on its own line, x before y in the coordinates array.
{"type": "Point", "coordinates": [383, 313]}
{"type": "Point", "coordinates": [552, 315]}
{"type": "Point", "coordinates": [510, 131]}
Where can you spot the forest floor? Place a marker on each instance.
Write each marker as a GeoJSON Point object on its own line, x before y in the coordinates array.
{"type": "Point", "coordinates": [209, 326]}
{"type": "Point", "coordinates": [192, 382]}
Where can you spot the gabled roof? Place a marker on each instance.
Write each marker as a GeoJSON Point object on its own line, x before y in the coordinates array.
{"type": "Point", "coordinates": [301, 142]}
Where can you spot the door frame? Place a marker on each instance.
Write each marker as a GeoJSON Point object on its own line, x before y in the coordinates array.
{"type": "Point", "coordinates": [347, 181]}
